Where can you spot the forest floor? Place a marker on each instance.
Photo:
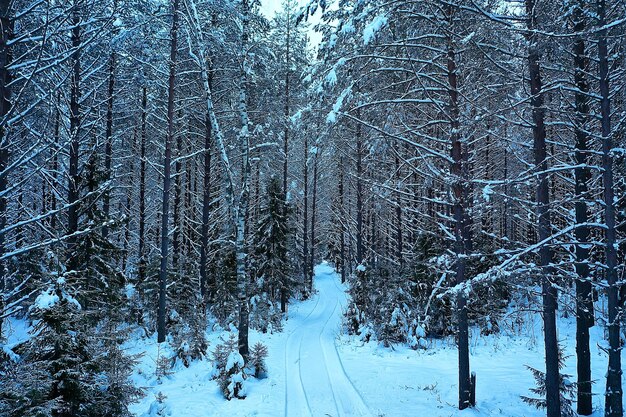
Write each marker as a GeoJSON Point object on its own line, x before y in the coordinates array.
{"type": "Point", "coordinates": [314, 371]}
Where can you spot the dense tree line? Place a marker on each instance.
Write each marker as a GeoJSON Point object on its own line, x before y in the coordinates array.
{"type": "Point", "coordinates": [172, 165]}
{"type": "Point", "coordinates": [138, 142]}
{"type": "Point", "coordinates": [481, 157]}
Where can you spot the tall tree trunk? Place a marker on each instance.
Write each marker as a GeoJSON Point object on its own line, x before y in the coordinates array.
{"type": "Point", "coordinates": [286, 109]}
{"type": "Point", "coordinates": [242, 208]}
{"type": "Point", "coordinates": [505, 214]}
{"type": "Point", "coordinates": [74, 175]}
{"type": "Point", "coordinates": [161, 330]}
{"type": "Point", "coordinates": [359, 193]}
{"type": "Point", "coordinates": [399, 223]}
{"type": "Point", "coordinates": [283, 290]}
{"type": "Point", "coordinates": [141, 269]}
{"type": "Point", "coordinates": [553, 400]}
{"type": "Point", "coordinates": [128, 205]}
{"type": "Point", "coordinates": [178, 190]}
{"type": "Point", "coordinates": [55, 162]}
{"type": "Point", "coordinates": [461, 229]}
{"type": "Point", "coordinates": [108, 152]}
{"type": "Point", "coordinates": [305, 225]}
{"type": "Point", "coordinates": [613, 400]}
{"type": "Point", "coordinates": [582, 174]}
{"type": "Point", "coordinates": [205, 285]}
{"type": "Point", "coordinates": [313, 219]}
{"type": "Point", "coordinates": [342, 224]}
{"type": "Point", "coordinates": [6, 32]}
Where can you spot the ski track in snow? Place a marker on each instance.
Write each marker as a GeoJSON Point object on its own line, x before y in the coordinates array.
{"type": "Point", "coordinates": [316, 383]}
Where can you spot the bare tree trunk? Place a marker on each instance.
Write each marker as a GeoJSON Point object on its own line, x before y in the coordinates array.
{"type": "Point", "coordinates": [504, 230]}
{"type": "Point", "coordinates": [108, 152]}
{"type": "Point", "coordinates": [55, 162]}
{"type": "Point", "coordinates": [128, 205]}
{"type": "Point", "coordinates": [178, 189]}
{"type": "Point", "coordinates": [283, 290]}
{"type": "Point", "coordinates": [613, 400]}
{"type": "Point", "coordinates": [6, 32]}
{"type": "Point", "coordinates": [205, 285]}
{"type": "Point", "coordinates": [313, 218]}
{"type": "Point", "coordinates": [461, 229]}
{"type": "Point", "coordinates": [342, 226]}
{"type": "Point", "coordinates": [141, 269]}
{"type": "Point", "coordinates": [74, 175]}
{"type": "Point", "coordinates": [286, 113]}
{"type": "Point", "coordinates": [161, 330]}
{"type": "Point", "coordinates": [242, 207]}
{"type": "Point", "coordinates": [582, 174]}
{"type": "Point", "coordinates": [305, 233]}
{"type": "Point", "coordinates": [359, 193]}
{"type": "Point", "coordinates": [553, 400]}
{"type": "Point", "coordinates": [399, 222]}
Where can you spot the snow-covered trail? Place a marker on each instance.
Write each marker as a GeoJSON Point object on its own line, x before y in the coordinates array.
{"type": "Point", "coordinates": [316, 383]}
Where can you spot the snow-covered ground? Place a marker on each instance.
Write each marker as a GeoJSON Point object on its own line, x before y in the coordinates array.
{"type": "Point", "coordinates": [315, 371]}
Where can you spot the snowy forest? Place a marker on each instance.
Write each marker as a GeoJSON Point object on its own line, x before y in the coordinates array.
{"type": "Point", "coordinates": [324, 208]}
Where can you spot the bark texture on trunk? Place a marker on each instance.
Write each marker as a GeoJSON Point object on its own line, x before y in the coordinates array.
{"type": "Point", "coordinates": [613, 397]}
{"type": "Point", "coordinates": [313, 219]}
{"type": "Point", "coordinates": [205, 285]}
{"type": "Point", "coordinates": [141, 268]}
{"type": "Point", "coordinates": [171, 90]}
{"type": "Point", "coordinates": [6, 30]}
{"type": "Point", "coordinates": [582, 174]}
{"type": "Point", "coordinates": [461, 226]}
{"type": "Point", "coordinates": [553, 399]}
{"type": "Point", "coordinates": [242, 207]}
{"type": "Point", "coordinates": [73, 168]}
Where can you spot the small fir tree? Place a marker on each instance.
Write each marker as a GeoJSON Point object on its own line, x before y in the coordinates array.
{"type": "Point", "coordinates": [258, 353]}
{"type": "Point", "coordinates": [567, 390]}
{"type": "Point", "coordinates": [229, 369]}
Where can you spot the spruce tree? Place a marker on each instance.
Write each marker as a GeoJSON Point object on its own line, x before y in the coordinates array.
{"type": "Point", "coordinates": [271, 261]}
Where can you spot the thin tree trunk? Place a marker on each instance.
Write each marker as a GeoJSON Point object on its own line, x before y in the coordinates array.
{"type": "Point", "coordinates": [161, 330]}
{"type": "Point", "coordinates": [359, 193]}
{"type": "Point", "coordinates": [242, 209]}
{"type": "Point", "coordinates": [399, 223]}
{"type": "Point", "coordinates": [553, 400]}
{"type": "Point", "coordinates": [128, 205]}
{"type": "Point", "coordinates": [342, 226]}
{"type": "Point", "coordinates": [461, 229]}
{"type": "Point", "coordinates": [74, 175]}
{"type": "Point", "coordinates": [141, 269]}
{"type": "Point", "coordinates": [108, 152]}
{"type": "Point", "coordinates": [283, 290]}
{"type": "Point", "coordinates": [582, 174]}
{"type": "Point", "coordinates": [6, 32]}
{"type": "Point", "coordinates": [205, 285]}
{"type": "Point", "coordinates": [313, 219]}
{"type": "Point", "coordinates": [178, 190]}
{"type": "Point", "coordinates": [55, 162]}
{"type": "Point", "coordinates": [504, 230]}
{"type": "Point", "coordinates": [613, 400]}
{"type": "Point", "coordinates": [305, 233]}
{"type": "Point", "coordinates": [286, 110]}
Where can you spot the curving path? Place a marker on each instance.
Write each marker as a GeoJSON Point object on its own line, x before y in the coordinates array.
{"type": "Point", "coordinates": [316, 382]}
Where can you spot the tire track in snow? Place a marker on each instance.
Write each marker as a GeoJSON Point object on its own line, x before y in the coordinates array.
{"type": "Point", "coordinates": [349, 402]}
{"type": "Point", "coordinates": [330, 379]}
{"type": "Point", "coordinates": [313, 389]}
{"type": "Point", "coordinates": [298, 398]}
{"type": "Point", "coordinates": [359, 401]}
